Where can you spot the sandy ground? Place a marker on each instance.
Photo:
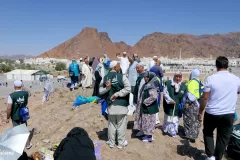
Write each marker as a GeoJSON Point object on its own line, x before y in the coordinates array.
{"type": "Point", "coordinates": [56, 119]}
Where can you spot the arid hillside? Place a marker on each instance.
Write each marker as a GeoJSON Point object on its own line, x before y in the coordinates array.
{"type": "Point", "coordinates": [93, 43]}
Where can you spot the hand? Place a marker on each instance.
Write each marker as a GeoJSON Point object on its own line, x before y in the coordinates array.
{"type": "Point", "coordinates": [172, 102]}
{"type": "Point", "coordinates": [108, 84]}
{"type": "Point", "coordinates": [113, 98]}
{"type": "Point", "coordinates": [186, 106]}
{"type": "Point", "coordinates": [200, 117]}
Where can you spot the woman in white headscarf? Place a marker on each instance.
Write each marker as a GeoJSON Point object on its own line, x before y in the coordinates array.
{"type": "Point", "coordinates": [48, 89]}
{"type": "Point", "coordinates": [172, 96]}
{"type": "Point", "coordinates": [191, 106]}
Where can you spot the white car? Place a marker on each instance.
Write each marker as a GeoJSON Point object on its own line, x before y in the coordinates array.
{"type": "Point", "coordinates": [61, 78]}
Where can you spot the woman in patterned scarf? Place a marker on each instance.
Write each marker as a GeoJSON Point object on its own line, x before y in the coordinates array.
{"type": "Point", "coordinates": [172, 96]}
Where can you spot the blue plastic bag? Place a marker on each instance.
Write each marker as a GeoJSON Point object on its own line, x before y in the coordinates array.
{"type": "Point", "coordinates": [180, 110]}
{"type": "Point", "coordinates": [235, 116]}
{"type": "Point", "coordinates": [104, 106]}
{"type": "Point", "coordinates": [80, 100]}
{"type": "Point", "coordinates": [92, 99]}
{"type": "Point", "coordinates": [24, 114]}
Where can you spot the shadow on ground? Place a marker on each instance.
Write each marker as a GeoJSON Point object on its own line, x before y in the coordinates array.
{"type": "Point", "coordinates": [187, 150]}
{"type": "Point", "coordinates": [103, 135]}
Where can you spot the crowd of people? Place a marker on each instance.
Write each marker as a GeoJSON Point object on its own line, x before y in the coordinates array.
{"type": "Point", "coordinates": [114, 81]}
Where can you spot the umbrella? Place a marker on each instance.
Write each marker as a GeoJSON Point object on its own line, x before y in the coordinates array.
{"type": "Point", "coordinates": [13, 141]}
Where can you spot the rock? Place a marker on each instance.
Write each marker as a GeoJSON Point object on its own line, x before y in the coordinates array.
{"type": "Point", "coordinates": [46, 141]}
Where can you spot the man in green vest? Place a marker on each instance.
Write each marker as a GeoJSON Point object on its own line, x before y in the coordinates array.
{"type": "Point", "coordinates": [117, 88]}
{"type": "Point", "coordinates": [19, 96]}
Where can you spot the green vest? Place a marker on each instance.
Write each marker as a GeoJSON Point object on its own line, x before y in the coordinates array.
{"type": "Point", "coordinates": [116, 85]}
{"type": "Point", "coordinates": [135, 92]}
{"type": "Point", "coordinates": [234, 143]}
{"type": "Point", "coordinates": [19, 99]}
{"type": "Point", "coordinates": [177, 97]}
{"type": "Point", "coordinates": [151, 109]}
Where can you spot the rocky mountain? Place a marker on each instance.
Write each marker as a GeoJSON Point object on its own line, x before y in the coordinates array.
{"type": "Point", "coordinates": [93, 43]}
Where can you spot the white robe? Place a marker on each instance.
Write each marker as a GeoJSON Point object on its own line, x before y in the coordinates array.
{"type": "Point", "coordinates": [124, 64]}
{"type": "Point", "coordinates": [87, 78]}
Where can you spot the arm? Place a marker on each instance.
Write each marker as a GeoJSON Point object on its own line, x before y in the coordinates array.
{"type": "Point", "coordinates": [102, 90]}
{"type": "Point", "coordinates": [204, 99]}
{"type": "Point", "coordinates": [161, 72]}
{"type": "Point", "coordinates": [9, 108]}
{"type": "Point", "coordinates": [203, 103]}
{"type": "Point", "coordinates": [126, 90]}
{"type": "Point", "coordinates": [239, 86]}
{"type": "Point", "coordinates": [166, 96]}
{"type": "Point", "coordinates": [153, 97]}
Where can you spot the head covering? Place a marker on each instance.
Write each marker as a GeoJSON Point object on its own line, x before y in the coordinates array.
{"type": "Point", "coordinates": [77, 145]}
{"type": "Point", "coordinates": [80, 59]}
{"type": "Point", "coordinates": [195, 74]}
{"type": "Point", "coordinates": [113, 64]}
{"type": "Point", "coordinates": [152, 82]}
{"type": "Point", "coordinates": [154, 57]}
{"type": "Point", "coordinates": [141, 64]}
{"type": "Point", "coordinates": [124, 52]}
{"type": "Point", "coordinates": [105, 54]}
{"type": "Point", "coordinates": [175, 84]}
{"type": "Point", "coordinates": [17, 83]}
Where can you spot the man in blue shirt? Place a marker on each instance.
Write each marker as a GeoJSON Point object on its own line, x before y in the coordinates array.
{"type": "Point", "coordinates": [74, 73]}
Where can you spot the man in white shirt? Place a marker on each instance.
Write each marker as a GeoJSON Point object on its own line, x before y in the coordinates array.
{"type": "Point", "coordinates": [124, 63]}
{"type": "Point", "coordinates": [220, 99]}
{"type": "Point", "coordinates": [152, 62]}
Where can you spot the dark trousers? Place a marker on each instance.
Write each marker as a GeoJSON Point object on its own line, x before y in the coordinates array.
{"type": "Point", "coordinates": [224, 125]}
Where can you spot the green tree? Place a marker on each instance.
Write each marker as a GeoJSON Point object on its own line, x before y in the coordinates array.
{"type": "Point", "coordinates": [60, 66]}
{"type": "Point", "coordinates": [21, 61]}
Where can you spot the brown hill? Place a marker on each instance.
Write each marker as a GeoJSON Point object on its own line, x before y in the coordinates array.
{"type": "Point", "coordinates": [93, 43]}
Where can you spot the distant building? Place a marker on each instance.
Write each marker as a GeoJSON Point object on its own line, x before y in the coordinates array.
{"type": "Point", "coordinates": [27, 75]}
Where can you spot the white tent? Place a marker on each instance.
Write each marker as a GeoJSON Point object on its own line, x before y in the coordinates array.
{"type": "Point", "coordinates": [25, 75]}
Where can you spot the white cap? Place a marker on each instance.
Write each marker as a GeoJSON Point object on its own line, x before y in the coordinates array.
{"type": "Point", "coordinates": [113, 64]}
{"type": "Point", "coordinates": [17, 83]}
{"type": "Point", "coordinates": [124, 52]}
{"type": "Point", "coordinates": [141, 64]}
{"type": "Point", "coordinates": [154, 57]}
{"type": "Point", "coordinates": [80, 59]}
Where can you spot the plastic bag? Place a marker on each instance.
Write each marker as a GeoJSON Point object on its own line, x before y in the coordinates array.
{"type": "Point", "coordinates": [92, 99]}
{"type": "Point", "coordinates": [131, 107]}
{"type": "Point", "coordinates": [235, 116]}
{"type": "Point", "coordinates": [80, 100]}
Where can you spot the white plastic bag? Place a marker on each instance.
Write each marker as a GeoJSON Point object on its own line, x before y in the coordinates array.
{"type": "Point", "coordinates": [131, 107]}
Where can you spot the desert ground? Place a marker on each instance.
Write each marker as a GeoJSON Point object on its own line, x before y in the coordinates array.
{"type": "Point", "coordinates": [57, 117]}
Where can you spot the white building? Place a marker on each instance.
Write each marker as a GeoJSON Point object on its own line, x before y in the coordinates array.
{"type": "Point", "coordinates": [26, 75]}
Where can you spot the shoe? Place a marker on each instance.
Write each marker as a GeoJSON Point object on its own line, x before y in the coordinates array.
{"type": "Point", "coordinates": [29, 146]}
{"type": "Point", "coordinates": [210, 158]}
{"type": "Point", "coordinates": [158, 122]}
{"type": "Point", "coordinates": [125, 143]}
{"type": "Point", "coordinates": [140, 134]}
{"type": "Point", "coordinates": [109, 144]}
{"type": "Point", "coordinates": [147, 139]}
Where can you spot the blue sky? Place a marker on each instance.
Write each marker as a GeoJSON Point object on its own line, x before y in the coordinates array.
{"type": "Point", "coordinates": [34, 26]}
